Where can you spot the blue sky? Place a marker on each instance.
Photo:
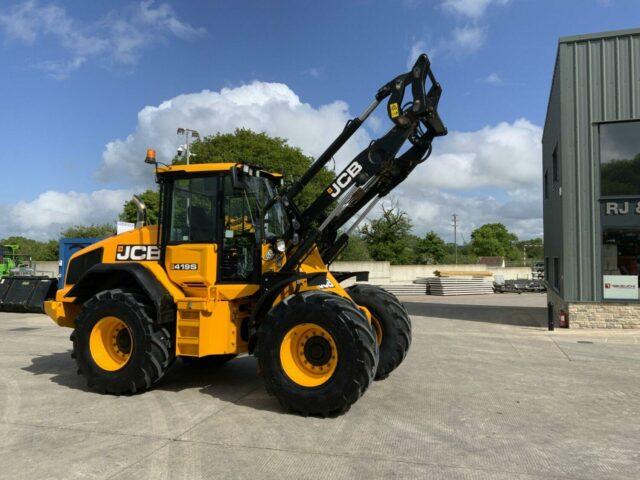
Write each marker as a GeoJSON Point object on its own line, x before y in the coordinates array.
{"type": "Point", "coordinates": [83, 87]}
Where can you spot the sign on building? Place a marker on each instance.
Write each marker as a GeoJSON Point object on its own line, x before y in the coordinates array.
{"type": "Point", "coordinates": [620, 287]}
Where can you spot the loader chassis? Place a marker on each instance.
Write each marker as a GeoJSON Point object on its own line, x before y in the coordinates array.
{"type": "Point", "coordinates": [236, 267]}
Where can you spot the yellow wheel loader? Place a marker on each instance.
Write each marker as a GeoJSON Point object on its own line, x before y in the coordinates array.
{"type": "Point", "coordinates": [235, 267]}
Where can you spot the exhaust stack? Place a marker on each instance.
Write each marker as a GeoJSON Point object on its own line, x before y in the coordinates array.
{"type": "Point", "coordinates": [141, 219]}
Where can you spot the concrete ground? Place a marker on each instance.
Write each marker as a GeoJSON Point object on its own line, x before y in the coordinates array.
{"type": "Point", "coordinates": [485, 392]}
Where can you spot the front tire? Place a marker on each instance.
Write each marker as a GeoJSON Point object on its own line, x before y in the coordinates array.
{"type": "Point", "coordinates": [391, 323]}
{"type": "Point", "coordinates": [117, 345]}
{"type": "Point", "coordinates": [317, 353]}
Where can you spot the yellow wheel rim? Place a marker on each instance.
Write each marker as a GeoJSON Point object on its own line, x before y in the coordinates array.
{"type": "Point", "coordinates": [378, 329]}
{"type": "Point", "coordinates": [308, 355]}
{"type": "Point", "coordinates": [110, 343]}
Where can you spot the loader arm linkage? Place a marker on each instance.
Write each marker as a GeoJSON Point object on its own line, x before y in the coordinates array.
{"type": "Point", "coordinates": [373, 173]}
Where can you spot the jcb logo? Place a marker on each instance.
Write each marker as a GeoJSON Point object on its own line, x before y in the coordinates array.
{"type": "Point", "coordinates": [137, 253]}
{"type": "Point", "coordinates": [344, 179]}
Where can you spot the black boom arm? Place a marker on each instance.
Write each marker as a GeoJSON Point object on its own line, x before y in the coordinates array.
{"type": "Point", "coordinates": [375, 171]}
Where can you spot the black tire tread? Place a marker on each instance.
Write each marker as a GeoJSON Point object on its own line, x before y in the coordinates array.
{"type": "Point", "coordinates": [354, 319]}
{"type": "Point", "coordinates": [362, 294]}
{"type": "Point", "coordinates": [158, 355]}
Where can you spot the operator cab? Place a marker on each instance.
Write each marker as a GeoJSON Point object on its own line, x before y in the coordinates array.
{"type": "Point", "coordinates": [221, 204]}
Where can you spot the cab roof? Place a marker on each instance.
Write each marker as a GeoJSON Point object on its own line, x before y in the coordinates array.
{"type": "Point", "coordinates": [206, 167]}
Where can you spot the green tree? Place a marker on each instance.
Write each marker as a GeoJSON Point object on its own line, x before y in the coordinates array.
{"type": "Point", "coordinates": [44, 251]}
{"type": "Point", "coordinates": [534, 249]}
{"type": "Point", "coordinates": [151, 199]}
{"type": "Point", "coordinates": [465, 256]}
{"type": "Point", "coordinates": [430, 249]}
{"type": "Point", "coordinates": [89, 231]}
{"type": "Point", "coordinates": [493, 239]}
{"type": "Point", "coordinates": [357, 249]}
{"type": "Point", "coordinates": [243, 146]}
{"type": "Point", "coordinates": [271, 153]}
{"type": "Point", "coordinates": [389, 237]}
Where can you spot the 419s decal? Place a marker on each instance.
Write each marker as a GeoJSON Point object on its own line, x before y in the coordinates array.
{"type": "Point", "coordinates": [184, 266]}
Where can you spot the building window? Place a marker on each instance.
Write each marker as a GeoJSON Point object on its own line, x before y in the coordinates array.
{"type": "Point", "coordinates": [620, 263]}
{"type": "Point", "coordinates": [620, 158]}
{"type": "Point", "coordinates": [546, 185]}
{"type": "Point", "coordinates": [556, 273]}
{"type": "Point", "coordinates": [556, 175]}
{"type": "Point", "coordinates": [547, 276]}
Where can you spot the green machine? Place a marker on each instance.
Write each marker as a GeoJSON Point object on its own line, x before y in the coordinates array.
{"type": "Point", "coordinates": [8, 256]}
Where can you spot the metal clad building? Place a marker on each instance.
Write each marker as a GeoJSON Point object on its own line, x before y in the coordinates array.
{"type": "Point", "coordinates": [588, 141]}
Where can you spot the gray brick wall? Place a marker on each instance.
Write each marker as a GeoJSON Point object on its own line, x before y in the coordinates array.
{"type": "Point", "coordinates": [596, 315]}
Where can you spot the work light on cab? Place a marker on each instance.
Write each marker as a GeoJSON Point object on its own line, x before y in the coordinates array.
{"type": "Point", "coordinates": [151, 156]}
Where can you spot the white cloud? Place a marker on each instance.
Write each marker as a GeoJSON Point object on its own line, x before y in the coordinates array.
{"type": "Point", "coordinates": [60, 70]}
{"type": "Point", "coordinates": [51, 212]}
{"type": "Point", "coordinates": [312, 72]}
{"type": "Point", "coordinates": [116, 39]}
{"type": "Point", "coordinates": [492, 79]}
{"type": "Point", "coordinates": [162, 17]}
{"type": "Point", "coordinates": [462, 41]}
{"type": "Point", "coordinates": [263, 107]}
{"type": "Point", "coordinates": [467, 39]}
{"type": "Point", "coordinates": [488, 175]}
{"type": "Point", "coordinates": [505, 156]}
{"type": "Point", "coordinates": [270, 107]}
{"type": "Point", "coordinates": [503, 159]}
{"type": "Point", "coordinates": [473, 9]}
{"type": "Point", "coordinates": [431, 209]}
{"type": "Point", "coordinates": [376, 124]}
{"type": "Point", "coordinates": [29, 20]}
{"type": "Point", "coordinates": [416, 50]}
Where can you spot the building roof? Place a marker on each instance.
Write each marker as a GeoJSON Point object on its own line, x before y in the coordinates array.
{"type": "Point", "coordinates": [581, 38]}
{"type": "Point", "coordinates": [598, 35]}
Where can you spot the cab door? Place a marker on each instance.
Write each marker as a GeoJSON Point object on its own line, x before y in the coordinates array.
{"type": "Point", "coordinates": [239, 259]}
{"type": "Point", "coordinates": [192, 232]}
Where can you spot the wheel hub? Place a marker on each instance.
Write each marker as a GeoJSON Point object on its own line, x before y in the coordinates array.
{"type": "Point", "coordinates": [308, 355]}
{"type": "Point", "coordinates": [317, 350]}
{"type": "Point", "coordinates": [123, 341]}
{"type": "Point", "coordinates": [110, 343]}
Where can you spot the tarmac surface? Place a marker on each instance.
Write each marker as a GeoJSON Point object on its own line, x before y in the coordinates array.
{"type": "Point", "coordinates": [485, 393]}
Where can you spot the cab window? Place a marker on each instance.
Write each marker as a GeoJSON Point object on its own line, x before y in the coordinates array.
{"type": "Point", "coordinates": [239, 240]}
{"type": "Point", "coordinates": [193, 210]}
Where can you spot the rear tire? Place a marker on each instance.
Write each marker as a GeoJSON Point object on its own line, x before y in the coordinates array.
{"type": "Point", "coordinates": [337, 353]}
{"type": "Point", "coordinates": [391, 322]}
{"type": "Point", "coordinates": [131, 354]}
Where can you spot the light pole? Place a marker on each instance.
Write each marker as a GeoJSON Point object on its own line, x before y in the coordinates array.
{"type": "Point", "coordinates": [455, 235]}
{"type": "Point", "coordinates": [187, 132]}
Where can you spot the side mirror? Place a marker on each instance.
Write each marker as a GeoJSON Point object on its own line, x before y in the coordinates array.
{"type": "Point", "coordinates": [238, 174]}
{"type": "Point", "coordinates": [235, 177]}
